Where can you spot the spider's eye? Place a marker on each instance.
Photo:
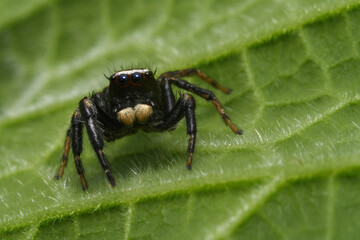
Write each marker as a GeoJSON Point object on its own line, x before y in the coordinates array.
{"type": "Point", "coordinates": [111, 78]}
{"type": "Point", "coordinates": [123, 79]}
{"type": "Point", "coordinates": [148, 74]}
{"type": "Point", "coordinates": [136, 78]}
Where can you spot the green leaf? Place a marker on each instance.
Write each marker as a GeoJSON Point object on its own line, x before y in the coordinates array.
{"type": "Point", "coordinates": [294, 69]}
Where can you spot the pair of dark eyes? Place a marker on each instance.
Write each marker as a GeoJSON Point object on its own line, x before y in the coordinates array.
{"type": "Point", "coordinates": [123, 79]}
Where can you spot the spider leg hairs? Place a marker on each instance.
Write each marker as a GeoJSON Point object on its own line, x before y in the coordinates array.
{"type": "Point", "coordinates": [136, 100]}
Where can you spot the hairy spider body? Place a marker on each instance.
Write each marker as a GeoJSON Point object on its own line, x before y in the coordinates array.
{"type": "Point", "coordinates": [135, 100]}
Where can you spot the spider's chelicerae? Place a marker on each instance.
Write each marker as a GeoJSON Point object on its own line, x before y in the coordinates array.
{"type": "Point", "coordinates": [136, 100]}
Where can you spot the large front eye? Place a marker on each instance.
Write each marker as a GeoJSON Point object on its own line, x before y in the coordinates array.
{"type": "Point", "coordinates": [123, 79]}
{"type": "Point", "coordinates": [136, 78]}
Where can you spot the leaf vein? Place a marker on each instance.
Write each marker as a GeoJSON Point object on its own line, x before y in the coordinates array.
{"type": "Point", "coordinates": [223, 230]}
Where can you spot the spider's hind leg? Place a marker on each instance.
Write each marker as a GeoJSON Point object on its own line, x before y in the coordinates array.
{"type": "Point", "coordinates": [207, 95]}
{"type": "Point", "coordinates": [77, 136]}
{"type": "Point", "coordinates": [196, 72]}
{"type": "Point", "coordinates": [74, 138]}
{"type": "Point", "coordinates": [65, 155]}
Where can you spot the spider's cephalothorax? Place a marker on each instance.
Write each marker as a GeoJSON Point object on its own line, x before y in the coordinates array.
{"type": "Point", "coordinates": [136, 100]}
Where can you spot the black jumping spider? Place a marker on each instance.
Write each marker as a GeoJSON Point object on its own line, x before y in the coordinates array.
{"type": "Point", "coordinates": [136, 100]}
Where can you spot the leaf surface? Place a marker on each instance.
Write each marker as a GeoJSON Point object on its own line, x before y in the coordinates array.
{"type": "Point", "coordinates": [294, 70]}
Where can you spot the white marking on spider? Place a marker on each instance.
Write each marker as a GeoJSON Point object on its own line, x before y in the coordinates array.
{"type": "Point", "coordinates": [129, 72]}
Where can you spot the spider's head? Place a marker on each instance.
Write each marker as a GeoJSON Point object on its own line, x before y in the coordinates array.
{"type": "Point", "coordinates": [133, 81]}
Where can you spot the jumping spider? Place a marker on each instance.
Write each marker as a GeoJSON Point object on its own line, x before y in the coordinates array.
{"type": "Point", "coordinates": [136, 100]}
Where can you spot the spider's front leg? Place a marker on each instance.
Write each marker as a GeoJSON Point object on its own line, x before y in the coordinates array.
{"type": "Point", "coordinates": [184, 106]}
{"type": "Point", "coordinates": [89, 115]}
{"type": "Point", "coordinates": [74, 137]}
